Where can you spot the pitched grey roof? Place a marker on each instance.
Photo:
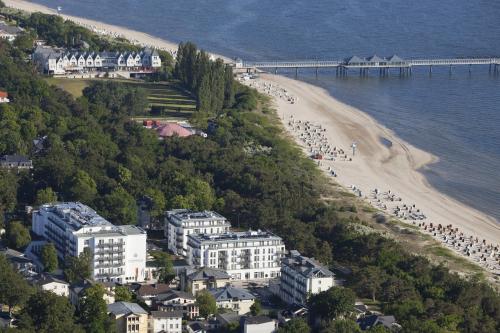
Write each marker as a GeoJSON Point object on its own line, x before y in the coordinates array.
{"type": "Point", "coordinates": [229, 293]}
{"type": "Point", "coordinates": [307, 267]}
{"type": "Point", "coordinates": [15, 159]}
{"type": "Point", "coordinates": [353, 59]}
{"type": "Point", "coordinates": [172, 294]}
{"type": "Point", "coordinates": [374, 58]}
{"type": "Point", "coordinates": [45, 279]}
{"type": "Point", "coordinates": [166, 314]}
{"type": "Point", "coordinates": [10, 29]}
{"type": "Point", "coordinates": [374, 320]}
{"type": "Point", "coordinates": [125, 308]}
{"type": "Point", "coordinates": [207, 273]}
{"type": "Point", "coordinates": [257, 320]}
{"type": "Point", "coordinates": [395, 58]}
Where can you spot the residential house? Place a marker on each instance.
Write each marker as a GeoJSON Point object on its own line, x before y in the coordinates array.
{"type": "Point", "coordinates": [129, 317]}
{"type": "Point", "coordinates": [180, 223]}
{"type": "Point", "coordinates": [6, 320]}
{"type": "Point", "coordinates": [258, 324]}
{"type": "Point", "coordinates": [148, 292]}
{"type": "Point", "coordinates": [77, 289]}
{"type": "Point", "coordinates": [302, 276]}
{"type": "Point", "coordinates": [251, 255]}
{"type": "Point", "coordinates": [4, 97]}
{"type": "Point", "coordinates": [203, 278]}
{"type": "Point", "coordinates": [118, 252]}
{"type": "Point", "coordinates": [166, 322]}
{"type": "Point", "coordinates": [53, 284]}
{"type": "Point", "coordinates": [226, 318]}
{"type": "Point", "coordinates": [9, 32]}
{"type": "Point", "coordinates": [175, 300]}
{"type": "Point", "coordinates": [20, 262]}
{"type": "Point", "coordinates": [235, 299]}
{"type": "Point", "coordinates": [196, 327]}
{"type": "Point", "coordinates": [15, 162]}
{"type": "Point", "coordinates": [388, 322]}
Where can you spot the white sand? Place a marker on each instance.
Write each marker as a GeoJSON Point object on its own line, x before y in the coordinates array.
{"type": "Point", "coordinates": [135, 37]}
{"type": "Point", "coordinates": [375, 165]}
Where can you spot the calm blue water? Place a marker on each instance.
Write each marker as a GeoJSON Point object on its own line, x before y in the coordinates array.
{"type": "Point", "coordinates": [456, 117]}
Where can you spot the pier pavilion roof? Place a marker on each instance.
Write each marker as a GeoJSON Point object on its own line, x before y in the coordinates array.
{"type": "Point", "coordinates": [375, 58]}
{"type": "Point", "coordinates": [395, 58]}
{"type": "Point", "coordinates": [353, 59]}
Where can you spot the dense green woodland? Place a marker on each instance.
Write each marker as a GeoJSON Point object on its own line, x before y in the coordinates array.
{"type": "Point", "coordinates": [246, 169]}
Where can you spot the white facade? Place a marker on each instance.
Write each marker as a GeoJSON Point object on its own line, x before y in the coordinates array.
{"type": "Point", "coordinates": [60, 61]}
{"type": "Point", "coordinates": [118, 252]}
{"type": "Point", "coordinates": [168, 322]}
{"type": "Point", "coordinates": [60, 288]}
{"type": "Point", "coordinates": [302, 276]}
{"type": "Point", "coordinates": [243, 255]}
{"type": "Point", "coordinates": [259, 324]}
{"type": "Point", "coordinates": [181, 223]}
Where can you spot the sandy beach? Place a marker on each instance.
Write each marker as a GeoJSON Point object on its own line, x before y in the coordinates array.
{"type": "Point", "coordinates": [387, 176]}
{"type": "Point", "coordinates": [135, 37]}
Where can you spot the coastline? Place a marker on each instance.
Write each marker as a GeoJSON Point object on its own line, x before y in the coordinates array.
{"type": "Point", "coordinates": [375, 165]}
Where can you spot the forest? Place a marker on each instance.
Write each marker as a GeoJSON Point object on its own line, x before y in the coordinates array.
{"type": "Point", "coordinates": [246, 169]}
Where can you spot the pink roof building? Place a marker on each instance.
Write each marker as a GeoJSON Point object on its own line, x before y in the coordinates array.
{"type": "Point", "coordinates": [171, 129]}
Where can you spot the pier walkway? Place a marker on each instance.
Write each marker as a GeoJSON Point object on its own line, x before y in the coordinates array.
{"type": "Point", "coordinates": [373, 62]}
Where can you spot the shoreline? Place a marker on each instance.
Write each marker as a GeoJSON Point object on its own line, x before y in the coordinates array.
{"type": "Point", "coordinates": [395, 167]}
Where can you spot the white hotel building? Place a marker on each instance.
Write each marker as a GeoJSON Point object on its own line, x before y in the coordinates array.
{"type": "Point", "coordinates": [243, 255]}
{"type": "Point", "coordinates": [118, 252]}
{"type": "Point", "coordinates": [180, 223]}
{"type": "Point", "coordinates": [302, 276]}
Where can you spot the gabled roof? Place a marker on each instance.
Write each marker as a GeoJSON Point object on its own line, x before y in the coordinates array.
{"type": "Point", "coordinates": [167, 314]}
{"type": "Point", "coordinates": [152, 289]}
{"type": "Point", "coordinates": [173, 294]}
{"type": "Point", "coordinates": [353, 59]}
{"type": "Point", "coordinates": [374, 320]}
{"type": "Point", "coordinates": [374, 58]}
{"type": "Point", "coordinates": [15, 159]}
{"type": "Point", "coordinates": [230, 293]}
{"type": "Point", "coordinates": [207, 273]}
{"type": "Point", "coordinates": [125, 308]}
{"type": "Point", "coordinates": [46, 279]}
{"type": "Point", "coordinates": [307, 267]}
{"type": "Point", "coordinates": [395, 58]}
{"type": "Point", "coordinates": [257, 320]}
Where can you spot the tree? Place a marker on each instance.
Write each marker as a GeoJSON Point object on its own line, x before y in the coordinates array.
{"type": "Point", "coordinates": [46, 195]}
{"type": "Point", "coordinates": [368, 281]}
{"type": "Point", "coordinates": [83, 187]}
{"type": "Point", "coordinates": [165, 272]}
{"type": "Point", "coordinates": [158, 202]}
{"type": "Point", "coordinates": [49, 257]}
{"type": "Point", "coordinates": [333, 303]}
{"type": "Point", "coordinates": [78, 268]}
{"type": "Point", "coordinates": [18, 235]}
{"type": "Point", "coordinates": [342, 326]}
{"type": "Point", "coordinates": [206, 303]}
{"type": "Point", "coordinates": [14, 290]}
{"type": "Point", "coordinates": [122, 293]}
{"type": "Point", "coordinates": [92, 310]}
{"type": "Point", "coordinates": [256, 308]}
{"type": "Point", "coordinates": [8, 184]}
{"type": "Point", "coordinates": [2, 5]}
{"type": "Point", "coordinates": [46, 312]}
{"type": "Point", "coordinates": [121, 207]}
{"type": "Point", "coordinates": [295, 325]}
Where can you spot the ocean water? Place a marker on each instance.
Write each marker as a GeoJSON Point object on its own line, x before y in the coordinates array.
{"type": "Point", "coordinates": [456, 117]}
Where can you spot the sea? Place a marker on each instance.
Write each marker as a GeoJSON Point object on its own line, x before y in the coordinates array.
{"type": "Point", "coordinates": [455, 116]}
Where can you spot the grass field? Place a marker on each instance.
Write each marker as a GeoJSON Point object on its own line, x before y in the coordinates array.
{"type": "Point", "coordinates": [167, 100]}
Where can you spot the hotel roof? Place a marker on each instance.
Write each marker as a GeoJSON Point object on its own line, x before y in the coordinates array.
{"type": "Point", "coordinates": [305, 266]}
{"type": "Point", "coordinates": [76, 215]}
{"type": "Point", "coordinates": [234, 236]}
{"type": "Point", "coordinates": [191, 215]}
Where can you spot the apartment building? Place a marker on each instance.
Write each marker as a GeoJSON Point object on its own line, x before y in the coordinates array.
{"type": "Point", "coordinates": [243, 255]}
{"type": "Point", "coordinates": [302, 276]}
{"type": "Point", "coordinates": [180, 223]}
{"type": "Point", "coordinates": [118, 252]}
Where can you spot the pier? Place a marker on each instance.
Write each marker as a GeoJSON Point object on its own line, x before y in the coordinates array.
{"type": "Point", "coordinates": [383, 65]}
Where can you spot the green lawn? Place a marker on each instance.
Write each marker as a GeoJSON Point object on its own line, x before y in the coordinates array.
{"type": "Point", "coordinates": [175, 101]}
